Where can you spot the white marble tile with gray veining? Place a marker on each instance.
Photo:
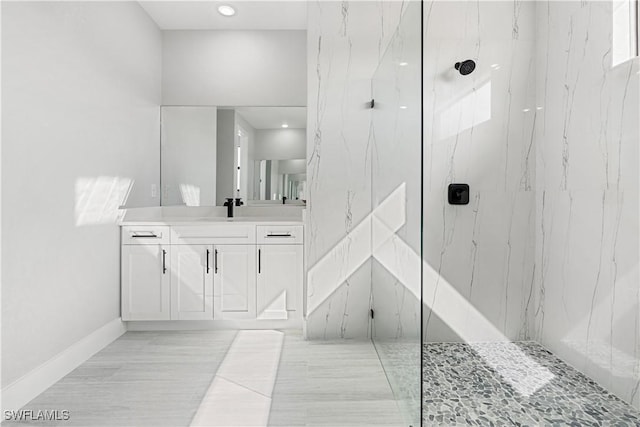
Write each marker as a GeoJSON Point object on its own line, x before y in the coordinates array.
{"type": "Point", "coordinates": [344, 50]}
{"type": "Point", "coordinates": [586, 299]}
{"type": "Point", "coordinates": [395, 140]}
{"type": "Point", "coordinates": [478, 129]}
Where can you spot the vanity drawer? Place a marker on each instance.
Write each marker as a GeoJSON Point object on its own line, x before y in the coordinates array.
{"type": "Point", "coordinates": [229, 234]}
{"type": "Point", "coordinates": [279, 234]}
{"type": "Point", "coordinates": [145, 235]}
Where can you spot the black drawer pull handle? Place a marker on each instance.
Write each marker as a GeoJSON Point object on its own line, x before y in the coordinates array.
{"type": "Point", "coordinates": [136, 235]}
{"type": "Point", "coordinates": [208, 261]}
{"type": "Point", "coordinates": [215, 261]}
{"type": "Point", "coordinates": [279, 235]}
{"type": "Point", "coordinates": [259, 260]}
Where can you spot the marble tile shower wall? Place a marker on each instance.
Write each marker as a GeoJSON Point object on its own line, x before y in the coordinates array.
{"type": "Point", "coordinates": [345, 43]}
{"type": "Point", "coordinates": [585, 306]}
{"type": "Point", "coordinates": [546, 133]}
{"type": "Point", "coordinates": [478, 129]}
{"type": "Point", "coordinates": [395, 143]}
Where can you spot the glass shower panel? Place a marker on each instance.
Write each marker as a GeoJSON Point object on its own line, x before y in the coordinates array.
{"type": "Point", "coordinates": [396, 206]}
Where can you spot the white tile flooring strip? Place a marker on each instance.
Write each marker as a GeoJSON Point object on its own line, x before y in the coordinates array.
{"type": "Point", "coordinates": [240, 393]}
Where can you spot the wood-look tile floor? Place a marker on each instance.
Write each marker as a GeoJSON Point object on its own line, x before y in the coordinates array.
{"type": "Point", "coordinates": [161, 379]}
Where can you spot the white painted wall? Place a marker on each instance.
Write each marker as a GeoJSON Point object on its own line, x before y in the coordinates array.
{"type": "Point", "coordinates": [293, 166]}
{"type": "Point", "coordinates": [280, 144]}
{"type": "Point", "coordinates": [234, 68]}
{"type": "Point", "coordinates": [80, 114]}
{"type": "Point", "coordinates": [189, 156]}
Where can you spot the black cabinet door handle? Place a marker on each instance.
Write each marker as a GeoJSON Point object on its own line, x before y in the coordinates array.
{"type": "Point", "coordinates": [259, 260]}
{"type": "Point", "coordinates": [208, 261]}
{"type": "Point", "coordinates": [164, 262]}
{"type": "Point", "coordinates": [215, 261]}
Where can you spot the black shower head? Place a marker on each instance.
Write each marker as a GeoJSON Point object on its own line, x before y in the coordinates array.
{"type": "Point", "coordinates": [466, 67]}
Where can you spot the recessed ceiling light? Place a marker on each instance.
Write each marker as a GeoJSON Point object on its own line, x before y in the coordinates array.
{"type": "Point", "coordinates": [226, 10]}
{"type": "Point", "coordinates": [403, 64]}
{"type": "Point", "coordinates": [284, 125]}
{"type": "Point", "coordinates": [403, 107]}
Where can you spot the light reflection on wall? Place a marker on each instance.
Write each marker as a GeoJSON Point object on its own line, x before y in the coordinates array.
{"type": "Point", "coordinates": [98, 199]}
{"type": "Point", "coordinates": [469, 111]}
{"type": "Point", "coordinates": [190, 194]}
{"type": "Point", "coordinates": [624, 31]}
{"type": "Point", "coordinates": [596, 341]}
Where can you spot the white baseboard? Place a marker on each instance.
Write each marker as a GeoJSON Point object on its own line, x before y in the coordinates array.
{"type": "Point", "coordinates": [212, 325]}
{"type": "Point", "coordinates": [20, 392]}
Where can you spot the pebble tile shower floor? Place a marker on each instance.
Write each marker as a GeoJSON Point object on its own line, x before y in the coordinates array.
{"type": "Point", "coordinates": [505, 384]}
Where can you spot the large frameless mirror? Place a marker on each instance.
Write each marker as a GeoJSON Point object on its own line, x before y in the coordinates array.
{"type": "Point", "coordinates": [210, 153]}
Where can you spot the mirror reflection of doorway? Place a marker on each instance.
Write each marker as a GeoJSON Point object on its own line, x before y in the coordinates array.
{"type": "Point", "coordinates": [264, 167]}
{"type": "Point", "coordinates": [275, 179]}
{"type": "Point", "coordinates": [241, 161]}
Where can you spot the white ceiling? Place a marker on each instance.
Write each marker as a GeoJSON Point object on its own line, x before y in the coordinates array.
{"type": "Point", "coordinates": [250, 15]}
{"type": "Point", "coordinates": [274, 117]}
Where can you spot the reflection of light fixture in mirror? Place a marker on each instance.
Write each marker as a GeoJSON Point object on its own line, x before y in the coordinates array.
{"type": "Point", "coordinates": [403, 107]}
{"type": "Point", "coordinates": [284, 125]}
{"type": "Point", "coordinates": [403, 64]}
{"type": "Point", "coordinates": [226, 10]}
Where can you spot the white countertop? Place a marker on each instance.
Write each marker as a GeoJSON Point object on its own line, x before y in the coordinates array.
{"type": "Point", "coordinates": [212, 215]}
{"type": "Point", "coordinates": [213, 220]}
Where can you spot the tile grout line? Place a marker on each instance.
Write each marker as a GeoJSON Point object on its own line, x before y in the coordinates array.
{"type": "Point", "coordinates": [243, 386]}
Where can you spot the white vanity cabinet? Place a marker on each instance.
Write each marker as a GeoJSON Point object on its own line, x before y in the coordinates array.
{"type": "Point", "coordinates": [191, 282]}
{"type": "Point", "coordinates": [235, 282]}
{"type": "Point", "coordinates": [278, 287]}
{"type": "Point", "coordinates": [232, 265]}
{"type": "Point", "coordinates": [236, 272]}
{"type": "Point", "coordinates": [280, 270]}
{"type": "Point", "coordinates": [145, 273]}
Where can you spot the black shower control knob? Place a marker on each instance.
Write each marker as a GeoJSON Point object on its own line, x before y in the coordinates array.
{"type": "Point", "coordinates": [458, 194]}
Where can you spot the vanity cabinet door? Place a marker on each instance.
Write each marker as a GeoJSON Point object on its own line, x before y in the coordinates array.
{"type": "Point", "coordinates": [279, 285]}
{"type": "Point", "coordinates": [235, 281]}
{"type": "Point", "coordinates": [191, 282]}
{"type": "Point", "coordinates": [145, 282]}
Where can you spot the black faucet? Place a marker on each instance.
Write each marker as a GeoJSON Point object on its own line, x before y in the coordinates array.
{"type": "Point", "coordinates": [239, 201]}
{"type": "Point", "coordinates": [229, 205]}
